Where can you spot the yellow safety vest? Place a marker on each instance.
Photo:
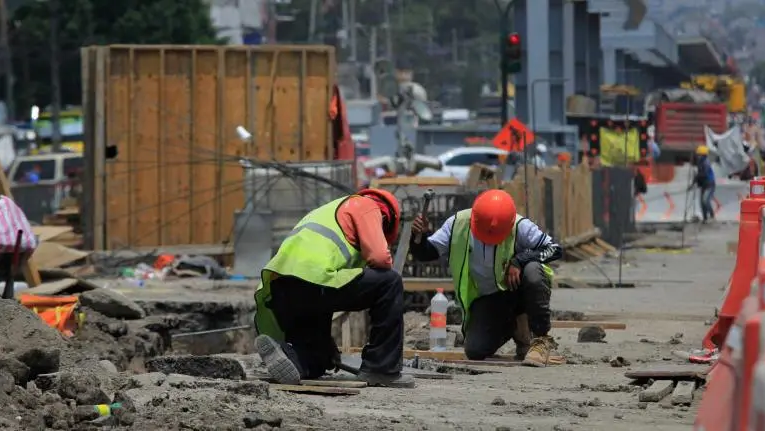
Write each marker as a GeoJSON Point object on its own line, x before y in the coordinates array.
{"type": "Point", "coordinates": [465, 288]}
{"type": "Point", "coordinates": [316, 251]}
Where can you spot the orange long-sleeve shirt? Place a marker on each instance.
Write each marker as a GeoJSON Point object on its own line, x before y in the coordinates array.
{"type": "Point", "coordinates": [361, 221]}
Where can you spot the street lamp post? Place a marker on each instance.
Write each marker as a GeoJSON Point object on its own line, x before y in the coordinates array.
{"type": "Point", "coordinates": [504, 29]}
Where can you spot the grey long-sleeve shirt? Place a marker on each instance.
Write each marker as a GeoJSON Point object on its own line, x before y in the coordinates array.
{"type": "Point", "coordinates": [531, 244]}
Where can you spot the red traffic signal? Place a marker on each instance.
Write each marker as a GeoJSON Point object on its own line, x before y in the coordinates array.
{"type": "Point", "coordinates": [512, 54]}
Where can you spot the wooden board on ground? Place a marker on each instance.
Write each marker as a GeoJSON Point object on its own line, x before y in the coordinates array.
{"type": "Point", "coordinates": [574, 283]}
{"type": "Point", "coordinates": [489, 362]}
{"type": "Point", "coordinates": [670, 372]}
{"type": "Point", "coordinates": [344, 381]}
{"type": "Point", "coordinates": [657, 391]}
{"type": "Point", "coordinates": [566, 324]}
{"type": "Point", "coordinates": [355, 361]}
{"type": "Point", "coordinates": [451, 355]}
{"type": "Point", "coordinates": [318, 390]}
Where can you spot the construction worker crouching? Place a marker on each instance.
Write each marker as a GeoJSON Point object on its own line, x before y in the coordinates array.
{"type": "Point", "coordinates": [498, 263]}
{"type": "Point", "coordinates": [336, 258]}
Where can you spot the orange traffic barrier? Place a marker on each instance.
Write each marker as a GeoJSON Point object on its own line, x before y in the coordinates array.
{"type": "Point", "coordinates": [746, 263]}
{"type": "Point", "coordinates": [754, 348]}
{"type": "Point", "coordinates": [757, 412]}
{"type": "Point", "coordinates": [671, 202]}
{"type": "Point", "coordinates": [56, 311]}
{"type": "Point", "coordinates": [721, 400]}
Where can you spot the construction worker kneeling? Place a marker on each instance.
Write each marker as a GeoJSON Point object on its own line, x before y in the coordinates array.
{"type": "Point", "coordinates": [498, 263]}
{"type": "Point", "coordinates": [336, 258]}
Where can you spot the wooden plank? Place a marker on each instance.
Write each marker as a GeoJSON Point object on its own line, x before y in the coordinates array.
{"type": "Point", "coordinates": [176, 151]}
{"type": "Point", "coordinates": [683, 393]}
{"type": "Point", "coordinates": [568, 324]}
{"type": "Point", "coordinates": [452, 355]}
{"type": "Point", "coordinates": [318, 390]}
{"type": "Point", "coordinates": [489, 362]}
{"type": "Point", "coordinates": [667, 372]}
{"type": "Point", "coordinates": [657, 391]}
{"type": "Point", "coordinates": [412, 284]}
{"type": "Point", "coordinates": [415, 181]}
{"type": "Point", "coordinates": [355, 362]}
{"type": "Point", "coordinates": [606, 246]}
{"type": "Point", "coordinates": [327, 382]}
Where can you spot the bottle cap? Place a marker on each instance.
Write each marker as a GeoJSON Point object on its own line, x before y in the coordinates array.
{"type": "Point", "coordinates": [440, 290]}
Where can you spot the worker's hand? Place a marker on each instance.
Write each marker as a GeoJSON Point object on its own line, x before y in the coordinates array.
{"type": "Point", "coordinates": [420, 225]}
{"type": "Point", "coordinates": [512, 276]}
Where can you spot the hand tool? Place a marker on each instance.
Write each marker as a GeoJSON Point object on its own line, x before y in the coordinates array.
{"type": "Point", "coordinates": [426, 198]}
{"type": "Point", "coordinates": [406, 234]}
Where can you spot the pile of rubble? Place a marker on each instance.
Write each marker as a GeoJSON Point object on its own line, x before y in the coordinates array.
{"type": "Point", "coordinates": [98, 378]}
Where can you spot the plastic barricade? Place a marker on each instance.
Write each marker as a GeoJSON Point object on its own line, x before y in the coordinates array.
{"type": "Point", "coordinates": [747, 257]}
{"type": "Point", "coordinates": [719, 409]}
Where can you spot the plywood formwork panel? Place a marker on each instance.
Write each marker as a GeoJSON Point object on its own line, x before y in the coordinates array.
{"type": "Point", "coordinates": [172, 112]}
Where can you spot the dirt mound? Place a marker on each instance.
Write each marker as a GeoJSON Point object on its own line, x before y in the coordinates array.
{"type": "Point", "coordinates": [21, 329]}
{"type": "Point", "coordinates": [127, 344]}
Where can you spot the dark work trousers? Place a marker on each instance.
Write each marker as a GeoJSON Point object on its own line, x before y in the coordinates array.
{"type": "Point", "coordinates": [304, 312]}
{"type": "Point", "coordinates": [706, 198]}
{"type": "Point", "coordinates": [493, 317]}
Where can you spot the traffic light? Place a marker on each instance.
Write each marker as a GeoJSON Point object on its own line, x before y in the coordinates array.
{"type": "Point", "coordinates": [513, 53]}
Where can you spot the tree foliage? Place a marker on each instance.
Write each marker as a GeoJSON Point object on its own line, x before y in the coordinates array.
{"type": "Point", "coordinates": [94, 22]}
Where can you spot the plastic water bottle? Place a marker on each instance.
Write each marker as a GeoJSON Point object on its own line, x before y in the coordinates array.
{"type": "Point", "coordinates": [438, 306]}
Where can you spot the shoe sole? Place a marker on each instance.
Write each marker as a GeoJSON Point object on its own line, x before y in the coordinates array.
{"type": "Point", "coordinates": [279, 366]}
{"type": "Point", "coordinates": [396, 384]}
{"type": "Point", "coordinates": [530, 363]}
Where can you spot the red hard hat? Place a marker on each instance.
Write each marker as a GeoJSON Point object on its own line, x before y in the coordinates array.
{"type": "Point", "coordinates": [390, 208]}
{"type": "Point", "coordinates": [493, 216]}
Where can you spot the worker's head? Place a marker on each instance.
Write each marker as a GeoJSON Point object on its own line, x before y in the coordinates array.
{"type": "Point", "coordinates": [563, 158]}
{"type": "Point", "coordinates": [390, 209]}
{"type": "Point", "coordinates": [493, 216]}
{"type": "Point", "coordinates": [702, 150]}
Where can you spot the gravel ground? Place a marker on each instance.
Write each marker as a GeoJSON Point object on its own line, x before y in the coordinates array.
{"type": "Point", "coordinates": [47, 382]}
{"type": "Point", "coordinates": [676, 294]}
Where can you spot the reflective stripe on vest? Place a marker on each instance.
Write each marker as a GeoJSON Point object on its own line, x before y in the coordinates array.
{"type": "Point", "coordinates": [465, 288]}
{"type": "Point", "coordinates": [326, 233]}
{"type": "Point", "coordinates": [315, 251]}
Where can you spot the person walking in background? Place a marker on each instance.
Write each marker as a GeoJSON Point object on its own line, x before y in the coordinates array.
{"type": "Point", "coordinates": [705, 181]}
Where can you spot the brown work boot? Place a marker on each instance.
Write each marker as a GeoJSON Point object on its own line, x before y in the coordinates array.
{"type": "Point", "coordinates": [387, 380]}
{"type": "Point", "coordinates": [540, 353]}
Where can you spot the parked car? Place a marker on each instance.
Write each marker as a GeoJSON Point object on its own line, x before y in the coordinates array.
{"type": "Point", "coordinates": [41, 182]}
{"type": "Point", "coordinates": [457, 162]}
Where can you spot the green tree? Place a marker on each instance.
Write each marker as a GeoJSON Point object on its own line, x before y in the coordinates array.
{"type": "Point", "coordinates": [95, 22]}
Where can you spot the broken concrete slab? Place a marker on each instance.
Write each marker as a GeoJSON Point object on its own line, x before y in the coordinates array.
{"type": "Point", "coordinates": [146, 380]}
{"type": "Point", "coordinates": [591, 334]}
{"type": "Point", "coordinates": [683, 393]}
{"type": "Point", "coordinates": [85, 388]}
{"type": "Point", "coordinates": [111, 303]}
{"type": "Point", "coordinates": [215, 367]}
{"type": "Point", "coordinates": [657, 391]}
{"type": "Point", "coordinates": [15, 368]}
